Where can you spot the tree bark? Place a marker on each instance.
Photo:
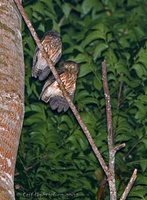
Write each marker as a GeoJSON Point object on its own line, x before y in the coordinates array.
{"type": "Point", "coordinates": [11, 94]}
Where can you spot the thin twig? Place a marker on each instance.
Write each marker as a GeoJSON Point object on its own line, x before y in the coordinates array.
{"type": "Point", "coordinates": [118, 147]}
{"type": "Point", "coordinates": [130, 185]}
{"type": "Point", "coordinates": [111, 178]}
{"type": "Point", "coordinates": [61, 85]}
{"type": "Point", "coordinates": [108, 105]}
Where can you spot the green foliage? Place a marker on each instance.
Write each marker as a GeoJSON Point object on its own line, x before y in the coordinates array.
{"type": "Point", "coordinates": [55, 160]}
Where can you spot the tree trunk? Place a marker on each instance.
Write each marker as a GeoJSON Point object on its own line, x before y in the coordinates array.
{"type": "Point", "coordinates": [11, 94]}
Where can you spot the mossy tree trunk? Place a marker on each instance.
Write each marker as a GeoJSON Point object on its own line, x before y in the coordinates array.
{"type": "Point", "coordinates": [11, 94]}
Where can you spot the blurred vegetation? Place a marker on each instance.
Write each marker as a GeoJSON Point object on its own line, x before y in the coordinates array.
{"type": "Point", "coordinates": [55, 160]}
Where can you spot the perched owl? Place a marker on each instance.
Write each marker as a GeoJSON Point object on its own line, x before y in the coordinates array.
{"type": "Point", "coordinates": [51, 92]}
{"type": "Point", "coordinates": [53, 46]}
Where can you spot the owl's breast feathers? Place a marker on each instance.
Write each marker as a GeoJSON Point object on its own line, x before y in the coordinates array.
{"type": "Point", "coordinates": [53, 46]}
{"type": "Point", "coordinates": [51, 90]}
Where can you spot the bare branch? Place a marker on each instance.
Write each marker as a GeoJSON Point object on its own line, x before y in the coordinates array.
{"type": "Point", "coordinates": [130, 185]}
{"type": "Point", "coordinates": [113, 150]}
{"type": "Point", "coordinates": [111, 178]}
{"type": "Point", "coordinates": [118, 147]}
{"type": "Point", "coordinates": [61, 85]}
{"type": "Point", "coordinates": [108, 105]}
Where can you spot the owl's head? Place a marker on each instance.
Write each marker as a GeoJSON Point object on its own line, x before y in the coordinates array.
{"type": "Point", "coordinates": [52, 33]}
{"type": "Point", "coordinates": [70, 66]}
{"type": "Point", "coordinates": [53, 40]}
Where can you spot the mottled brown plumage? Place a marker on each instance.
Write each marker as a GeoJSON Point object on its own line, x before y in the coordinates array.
{"type": "Point", "coordinates": [51, 92]}
{"type": "Point", "coordinates": [53, 46]}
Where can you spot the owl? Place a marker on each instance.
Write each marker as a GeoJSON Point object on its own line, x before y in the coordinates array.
{"type": "Point", "coordinates": [53, 46]}
{"type": "Point", "coordinates": [51, 92]}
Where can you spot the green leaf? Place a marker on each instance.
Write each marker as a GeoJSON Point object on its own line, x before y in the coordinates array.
{"type": "Point", "coordinates": [92, 36]}
{"type": "Point", "coordinates": [143, 166]}
{"type": "Point", "coordinates": [99, 49]}
{"type": "Point", "coordinates": [140, 70]}
{"type": "Point", "coordinates": [66, 119]}
{"type": "Point", "coordinates": [88, 5]}
{"type": "Point", "coordinates": [66, 9]}
{"type": "Point", "coordinates": [84, 70]}
{"type": "Point", "coordinates": [82, 58]}
{"type": "Point", "coordinates": [97, 83]}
